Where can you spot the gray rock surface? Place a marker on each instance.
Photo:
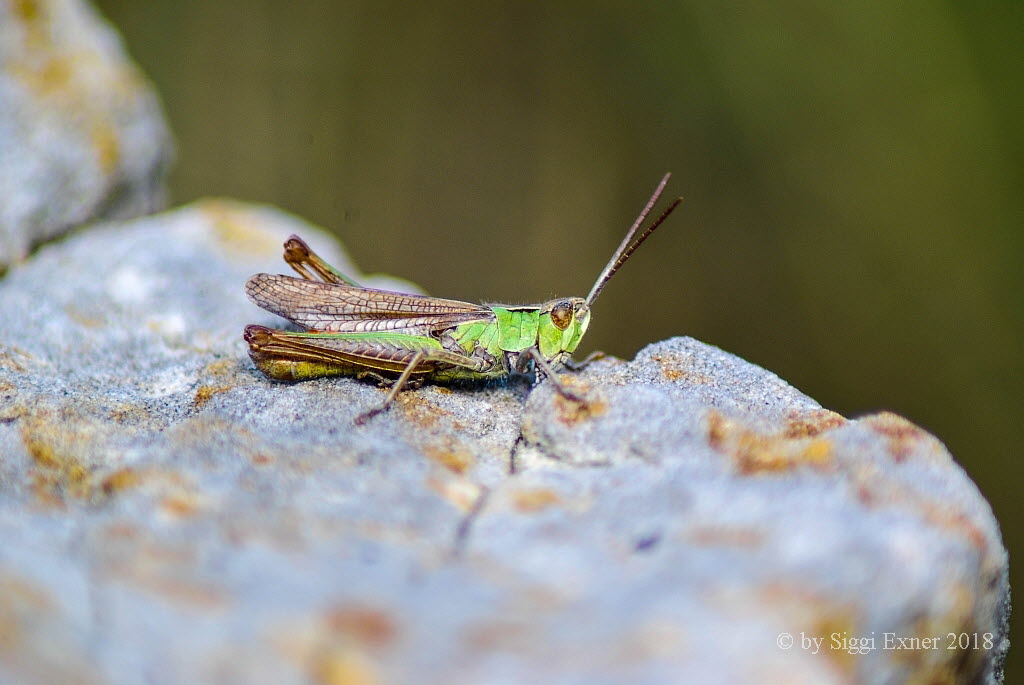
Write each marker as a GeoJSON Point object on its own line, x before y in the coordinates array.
{"type": "Point", "coordinates": [81, 131]}
{"type": "Point", "coordinates": [168, 515]}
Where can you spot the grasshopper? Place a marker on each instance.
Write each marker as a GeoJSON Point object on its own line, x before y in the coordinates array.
{"type": "Point", "coordinates": [402, 340]}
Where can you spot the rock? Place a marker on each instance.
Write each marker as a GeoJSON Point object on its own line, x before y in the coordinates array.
{"type": "Point", "coordinates": [81, 131]}
{"type": "Point", "coordinates": [169, 515]}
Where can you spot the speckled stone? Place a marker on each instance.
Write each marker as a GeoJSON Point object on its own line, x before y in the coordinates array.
{"type": "Point", "coordinates": [168, 515]}
{"type": "Point", "coordinates": [82, 135]}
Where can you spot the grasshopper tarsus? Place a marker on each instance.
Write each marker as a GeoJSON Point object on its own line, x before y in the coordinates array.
{"type": "Point", "coordinates": [382, 381]}
{"type": "Point", "coordinates": [568, 394]}
{"type": "Point", "coordinates": [573, 365]}
{"type": "Point", "coordinates": [552, 376]}
{"type": "Point", "coordinates": [363, 418]}
{"type": "Point", "coordinates": [351, 330]}
{"type": "Point", "coordinates": [573, 397]}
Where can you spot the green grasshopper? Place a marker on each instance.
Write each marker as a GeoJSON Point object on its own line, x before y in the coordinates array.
{"type": "Point", "coordinates": [402, 340]}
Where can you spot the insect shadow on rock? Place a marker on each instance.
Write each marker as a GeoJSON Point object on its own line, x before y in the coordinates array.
{"type": "Point", "coordinates": [402, 340]}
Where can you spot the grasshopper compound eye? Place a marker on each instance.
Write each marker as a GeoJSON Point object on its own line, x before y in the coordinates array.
{"type": "Point", "coordinates": [561, 315]}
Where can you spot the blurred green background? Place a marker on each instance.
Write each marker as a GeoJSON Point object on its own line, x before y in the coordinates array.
{"type": "Point", "coordinates": [852, 173]}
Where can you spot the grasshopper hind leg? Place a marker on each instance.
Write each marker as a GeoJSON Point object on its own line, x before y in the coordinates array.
{"type": "Point", "coordinates": [309, 265]}
{"type": "Point", "coordinates": [405, 380]}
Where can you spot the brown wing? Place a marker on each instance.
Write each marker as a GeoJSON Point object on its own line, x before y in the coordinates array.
{"type": "Point", "coordinates": [337, 307]}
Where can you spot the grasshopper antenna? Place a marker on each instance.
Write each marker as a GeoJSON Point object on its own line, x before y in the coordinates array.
{"type": "Point", "coordinates": [624, 250]}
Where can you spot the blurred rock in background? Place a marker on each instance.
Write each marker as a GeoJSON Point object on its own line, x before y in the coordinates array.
{"type": "Point", "coordinates": [82, 135]}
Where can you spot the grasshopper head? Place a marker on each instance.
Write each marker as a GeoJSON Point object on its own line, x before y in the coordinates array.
{"type": "Point", "coordinates": [562, 325]}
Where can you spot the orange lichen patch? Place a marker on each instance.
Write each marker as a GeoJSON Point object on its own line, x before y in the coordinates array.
{"type": "Point", "coordinates": [902, 436]}
{"type": "Point", "coordinates": [940, 515]}
{"type": "Point", "coordinates": [106, 145]}
{"type": "Point", "coordinates": [458, 491]}
{"type": "Point", "coordinates": [119, 480]}
{"type": "Point", "coordinates": [570, 411]}
{"type": "Point", "coordinates": [60, 448]}
{"type": "Point", "coordinates": [725, 536]}
{"type": "Point", "coordinates": [672, 373]}
{"type": "Point", "coordinates": [811, 424]}
{"type": "Point", "coordinates": [456, 458]}
{"type": "Point", "coordinates": [717, 431]}
{"type": "Point", "coordinates": [180, 505]}
{"type": "Point", "coordinates": [205, 392]}
{"type": "Point", "coordinates": [221, 367]}
{"type": "Point", "coordinates": [369, 626]}
{"type": "Point", "coordinates": [56, 74]}
{"type": "Point", "coordinates": [755, 452]}
{"type": "Point", "coordinates": [327, 656]}
{"type": "Point", "coordinates": [10, 410]}
{"type": "Point", "coordinates": [335, 648]}
{"type": "Point", "coordinates": [58, 470]}
{"type": "Point", "coordinates": [53, 79]}
{"type": "Point", "coordinates": [876, 492]}
{"type": "Point", "coordinates": [846, 644]}
{"type": "Point", "coordinates": [418, 410]}
{"type": "Point", "coordinates": [673, 370]}
{"type": "Point", "coordinates": [947, 647]}
{"type": "Point", "coordinates": [9, 362]}
{"type": "Point", "coordinates": [838, 625]}
{"type": "Point", "coordinates": [817, 452]}
{"type": "Point", "coordinates": [261, 459]}
{"type": "Point", "coordinates": [340, 665]}
{"type": "Point", "coordinates": [530, 500]}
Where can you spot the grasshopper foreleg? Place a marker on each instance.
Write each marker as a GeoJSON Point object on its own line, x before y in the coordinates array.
{"type": "Point", "coordinates": [549, 373]}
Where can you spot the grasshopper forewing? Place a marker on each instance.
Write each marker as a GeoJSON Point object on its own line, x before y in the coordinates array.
{"type": "Point", "coordinates": [402, 340]}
